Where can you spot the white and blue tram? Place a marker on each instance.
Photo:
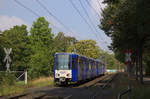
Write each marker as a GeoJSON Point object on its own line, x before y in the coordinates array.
{"type": "Point", "coordinates": [71, 67]}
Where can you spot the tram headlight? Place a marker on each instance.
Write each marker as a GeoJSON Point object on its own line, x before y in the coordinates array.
{"type": "Point", "coordinates": [68, 75]}
{"type": "Point", "coordinates": [58, 74]}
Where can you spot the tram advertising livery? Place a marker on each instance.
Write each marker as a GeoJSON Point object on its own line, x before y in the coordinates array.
{"type": "Point", "coordinates": [71, 67]}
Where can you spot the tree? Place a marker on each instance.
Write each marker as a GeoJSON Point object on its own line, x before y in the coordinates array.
{"type": "Point", "coordinates": [109, 60]}
{"type": "Point", "coordinates": [16, 38]}
{"type": "Point", "coordinates": [62, 42]}
{"type": "Point", "coordinates": [41, 41]}
{"type": "Point", "coordinates": [125, 23]}
{"type": "Point", "coordinates": [1, 54]}
{"type": "Point", "coordinates": [85, 47]}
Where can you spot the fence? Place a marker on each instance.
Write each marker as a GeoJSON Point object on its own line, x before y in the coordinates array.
{"type": "Point", "coordinates": [20, 75]}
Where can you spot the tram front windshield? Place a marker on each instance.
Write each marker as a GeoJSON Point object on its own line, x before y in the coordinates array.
{"type": "Point", "coordinates": [62, 62]}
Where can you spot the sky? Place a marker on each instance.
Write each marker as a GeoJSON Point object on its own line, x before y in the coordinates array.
{"type": "Point", "coordinates": [11, 14]}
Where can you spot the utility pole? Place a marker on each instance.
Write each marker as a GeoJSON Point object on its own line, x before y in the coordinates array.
{"type": "Point", "coordinates": [128, 60]}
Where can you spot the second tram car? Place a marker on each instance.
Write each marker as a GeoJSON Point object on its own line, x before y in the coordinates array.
{"type": "Point", "coordinates": [71, 67]}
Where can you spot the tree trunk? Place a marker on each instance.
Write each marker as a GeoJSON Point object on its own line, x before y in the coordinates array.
{"type": "Point", "coordinates": [141, 64]}
{"type": "Point", "coordinates": [136, 72]}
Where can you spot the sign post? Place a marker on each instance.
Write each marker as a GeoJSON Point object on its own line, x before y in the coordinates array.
{"type": "Point", "coordinates": [128, 54]}
{"type": "Point", "coordinates": [7, 58]}
{"type": "Point", "coordinates": [128, 62]}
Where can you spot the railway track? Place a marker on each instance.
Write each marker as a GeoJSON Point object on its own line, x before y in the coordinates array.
{"type": "Point", "coordinates": [107, 80]}
{"type": "Point", "coordinates": [93, 82]}
{"type": "Point", "coordinates": [100, 82]}
{"type": "Point", "coordinates": [27, 96]}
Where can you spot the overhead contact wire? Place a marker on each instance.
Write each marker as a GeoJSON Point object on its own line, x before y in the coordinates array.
{"type": "Point", "coordinates": [89, 18]}
{"type": "Point", "coordinates": [82, 17]}
{"type": "Point", "coordinates": [67, 28]}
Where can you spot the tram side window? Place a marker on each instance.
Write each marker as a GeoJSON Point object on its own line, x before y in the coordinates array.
{"type": "Point", "coordinates": [86, 68]}
{"type": "Point", "coordinates": [92, 66]}
{"type": "Point", "coordinates": [81, 65]}
{"type": "Point", "coordinates": [74, 63]}
{"type": "Point", "coordinates": [100, 67]}
{"type": "Point", "coordinates": [87, 65]}
{"type": "Point", "coordinates": [96, 65]}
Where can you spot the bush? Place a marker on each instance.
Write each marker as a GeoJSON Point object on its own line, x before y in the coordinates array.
{"type": "Point", "coordinates": [7, 78]}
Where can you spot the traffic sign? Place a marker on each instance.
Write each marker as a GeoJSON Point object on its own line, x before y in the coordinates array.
{"type": "Point", "coordinates": [7, 58]}
{"type": "Point", "coordinates": [128, 54]}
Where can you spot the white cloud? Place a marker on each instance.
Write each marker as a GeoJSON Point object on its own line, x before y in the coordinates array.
{"type": "Point", "coordinates": [7, 22]}
{"type": "Point", "coordinates": [97, 5]}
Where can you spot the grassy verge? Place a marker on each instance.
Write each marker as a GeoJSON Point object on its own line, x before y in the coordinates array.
{"type": "Point", "coordinates": [20, 87]}
{"type": "Point", "coordinates": [41, 82]}
{"type": "Point", "coordinates": [138, 91]}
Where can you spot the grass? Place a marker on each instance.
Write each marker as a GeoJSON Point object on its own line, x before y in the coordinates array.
{"type": "Point", "coordinates": [141, 93]}
{"type": "Point", "coordinates": [41, 82]}
{"type": "Point", "coordinates": [20, 87]}
{"type": "Point", "coordinates": [138, 91]}
{"type": "Point", "coordinates": [9, 90]}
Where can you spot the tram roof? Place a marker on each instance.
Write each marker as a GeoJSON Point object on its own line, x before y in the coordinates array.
{"type": "Point", "coordinates": [62, 53]}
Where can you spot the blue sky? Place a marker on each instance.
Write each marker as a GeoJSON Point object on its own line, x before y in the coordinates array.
{"type": "Point", "coordinates": [12, 14]}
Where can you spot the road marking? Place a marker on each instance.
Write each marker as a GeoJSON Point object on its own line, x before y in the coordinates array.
{"type": "Point", "coordinates": [68, 97]}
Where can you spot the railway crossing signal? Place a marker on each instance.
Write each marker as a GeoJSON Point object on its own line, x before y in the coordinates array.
{"type": "Point", "coordinates": [128, 60]}
{"type": "Point", "coordinates": [128, 54]}
{"type": "Point", "coordinates": [7, 58]}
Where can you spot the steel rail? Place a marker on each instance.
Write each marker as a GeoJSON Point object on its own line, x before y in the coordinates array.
{"type": "Point", "coordinates": [104, 86]}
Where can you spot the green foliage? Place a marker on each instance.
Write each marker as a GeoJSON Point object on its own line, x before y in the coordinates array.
{"type": "Point", "coordinates": [41, 40]}
{"type": "Point", "coordinates": [62, 42]}
{"type": "Point", "coordinates": [7, 79]}
{"type": "Point", "coordinates": [41, 35]}
{"type": "Point", "coordinates": [125, 21]}
{"type": "Point", "coordinates": [85, 47]}
{"type": "Point", "coordinates": [115, 23]}
{"type": "Point", "coordinates": [20, 87]}
{"type": "Point", "coordinates": [2, 55]}
{"type": "Point", "coordinates": [16, 38]}
{"type": "Point", "coordinates": [110, 60]}
{"type": "Point", "coordinates": [146, 63]}
{"type": "Point", "coordinates": [33, 51]}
